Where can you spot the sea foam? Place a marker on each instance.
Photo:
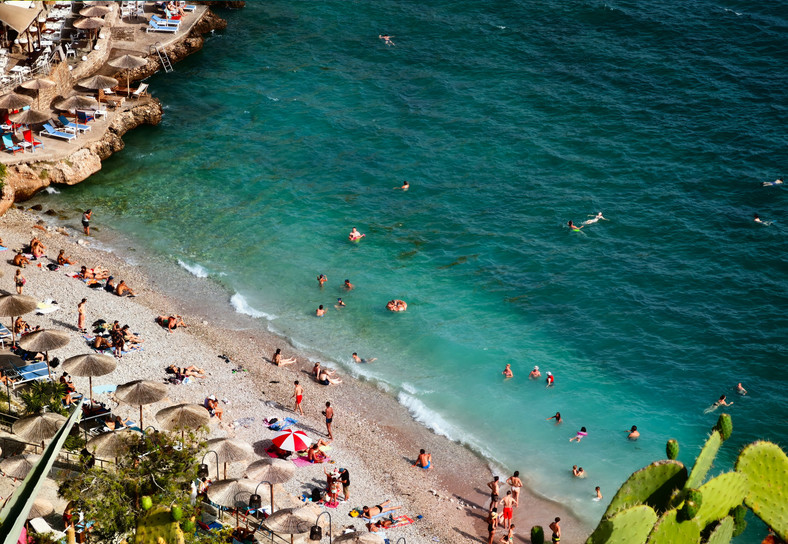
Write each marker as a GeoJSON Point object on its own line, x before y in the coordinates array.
{"type": "Point", "coordinates": [241, 306]}
{"type": "Point", "coordinates": [194, 269]}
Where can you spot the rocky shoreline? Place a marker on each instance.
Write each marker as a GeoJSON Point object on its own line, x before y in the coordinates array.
{"type": "Point", "coordinates": [21, 181]}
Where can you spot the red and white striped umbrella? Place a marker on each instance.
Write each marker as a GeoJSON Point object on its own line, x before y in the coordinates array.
{"type": "Point", "coordinates": [290, 440]}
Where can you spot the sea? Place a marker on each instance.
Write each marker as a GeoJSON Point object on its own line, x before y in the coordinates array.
{"type": "Point", "coordinates": [508, 119]}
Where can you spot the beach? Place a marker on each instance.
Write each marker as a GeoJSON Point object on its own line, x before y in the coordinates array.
{"type": "Point", "coordinates": [375, 437]}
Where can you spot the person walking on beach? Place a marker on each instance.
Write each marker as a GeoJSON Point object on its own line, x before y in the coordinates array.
{"type": "Point", "coordinates": [516, 484]}
{"type": "Point", "coordinates": [633, 433]}
{"type": "Point", "coordinates": [495, 489]}
{"type": "Point", "coordinates": [424, 460]}
{"type": "Point", "coordinates": [492, 524]}
{"type": "Point", "coordinates": [507, 503]}
{"type": "Point", "coordinates": [19, 281]}
{"type": "Point", "coordinates": [82, 318]}
{"type": "Point", "coordinates": [86, 221]}
{"type": "Point", "coordinates": [556, 528]}
{"type": "Point", "coordinates": [329, 413]}
{"type": "Point", "coordinates": [298, 395]}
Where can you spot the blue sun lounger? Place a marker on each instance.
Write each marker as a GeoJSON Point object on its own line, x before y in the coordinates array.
{"type": "Point", "coordinates": [49, 130]}
{"type": "Point", "coordinates": [30, 373]}
{"type": "Point", "coordinates": [153, 26]}
{"type": "Point", "coordinates": [165, 22]}
{"type": "Point", "coordinates": [68, 124]}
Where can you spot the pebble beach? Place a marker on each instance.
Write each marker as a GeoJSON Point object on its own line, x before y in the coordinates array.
{"type": "Point", "coordinates": [375, 438]}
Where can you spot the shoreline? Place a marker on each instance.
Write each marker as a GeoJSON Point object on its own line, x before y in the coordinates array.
{"type": "Point", "coordinates": [380, 431]}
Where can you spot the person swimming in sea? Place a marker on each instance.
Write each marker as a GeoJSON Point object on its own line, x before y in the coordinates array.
{"type": "Point", "coordinates": [339, 303]}
{"type": "Point", "coordinates": [507, 372]}
{"type": "Point", "coordinates": [357, 359]}
{"type": "Point", "coordinates": [721, 402]}
{"type": "Point", "coordinates": [321, 279]}
{"type": "Point", "coordinates": [740, 390]}
{"type": "Point", "coordinates": [534, 373]}
{"type": "Point", "coordinates": [594, 219]}
{"type": "Point", "coordinates": [778, 181]}
{"type": "Point", "coordinates": [574, 227]}
{"type": "Point", "coordinates": [405, 186]}
{"type": "Point", "coordinates": [386, 39]}
{"type": "Point", "coordinates": [355, 235]}
{"type": "Point", "coordinates": [759, 220]}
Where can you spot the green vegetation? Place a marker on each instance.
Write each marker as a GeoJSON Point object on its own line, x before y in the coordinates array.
{"type": "Point", "coordinates": [155, 466]}
{"type": "Point", "coordinates": [661, 503]}
{"type": "Point", "coordinates": [43, 394]}
{"type": "Point", "coordinates": [43, 174]}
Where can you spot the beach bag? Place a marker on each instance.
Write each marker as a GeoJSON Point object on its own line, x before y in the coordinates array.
{"type": "Point", "coordinates": [52, 266]}
{"type": "Point", "coordinates": [317, 494]}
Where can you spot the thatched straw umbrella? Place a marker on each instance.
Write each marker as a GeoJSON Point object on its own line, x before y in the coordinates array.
{"type": "Point", "coordinates": [41, 508]}
{"type": "Point", "coordinates": [140, 392]}
{"type": "Point", "coordinates": [94, 11]}
{"type": "Point", "coordinates": [19, 465]}
{"type": "Point", "coordinates": [182, 417]}
{"type": "Point", "coordinates": [359, 538]}
{"type": "Point", "coordinates": [29, 117]}
{"type": "Point", "coordinates": [16, 305]}
{"type": "Point", "coordinates": [14, 101]}
{"type": "Point", "coordinates": [89, 23]}
{"type": "Point", "coordinates": [45, 340]}
{"type": "Point", "coordinates": [292, 521]}
{"type": "Point", "coordinates": [90, 364]}
{"type": "Point", "coordinates": [38, 85]}
{"type": "Point", "coordinates": [98, 82]}
{"type": "Point", "coordinates": [231, 493]}
{"type": "Point", "coordinates": [109, 444]}
{"type": "Point", "coordinates": [38, 427]}
{"type": "Point", "coordinates": [128, 63]}
{"type": "Point", "coordinates": [273, 471]}
{"type": "Point", "coordinates": [230, 450]}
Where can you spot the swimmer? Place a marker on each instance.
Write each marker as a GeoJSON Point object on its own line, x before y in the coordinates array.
{"type": "Point", "coordinates": [594, 219]}
{"type": "Point", "coordinates": [405, 186]}
{"type": "Point", "coordinates": [339, 303]}
{"type": "Point", "coordinates": [758, 220]}
{"type": "Point", "coordinates": [348, 285]}
{"type": "Point", "coordinates": [386, 39]}
{"type": "Point", "coordinates": [357, 359]}
{"type": "Point", "coordinates": [355, 235]}
{"type": "Point", "coordinates": [778, 181]}
{"type": "Point", "coordinates": [721, 402]}
{"type": "Point", "coordinates": [550, 380]}
{"type": "Point", "coordinates": [535, 373]}
{"type": "Point", "coordinates": [740, 390]}
{"type": "Point", "coordinates": [508, 371]}
{"type": "Point", "coordinates": [321, 279]}
{"type": "Point", "coordinates": [582, 433]}
{"type": "Point", "coordinates": [556, 417]}
{"type": "Point", "coordinates": [598, 494]}
{"type": "Point", "coordinates": [320, 312]}
{"type": "Point", "coordinates": [396, 305]}
{"type": "Point", "coordinates": [574, 227]}
{"type": "Point", "coordinates": [578, 472]}
{"type": "Point", "coordinates": [633, 433]}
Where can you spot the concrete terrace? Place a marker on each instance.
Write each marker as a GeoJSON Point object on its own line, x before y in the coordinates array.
{"type": "Point", "coordinates": [120, 37]}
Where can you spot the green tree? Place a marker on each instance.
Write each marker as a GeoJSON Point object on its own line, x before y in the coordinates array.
{"type": "Point", "coordinates": [44, 394]}
{"type": "Point", "coordinates": [157, 465]}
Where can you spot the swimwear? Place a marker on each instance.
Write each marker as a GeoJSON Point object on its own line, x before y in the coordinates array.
{"type": "Point", "coordinates": [581, 433]}
{"type": "Point", "coordinates": [425, 467]}
{"type": "Point", "coordinates": [329, 419]}
{"type": "Point", "coordinates": [507, 513]}
{"type": "Point", "coordinates": [323, 382]}
{"type": "Point", "coordinates": [556, 538]}
{"type": "Point", "coordinates": [298, 399]}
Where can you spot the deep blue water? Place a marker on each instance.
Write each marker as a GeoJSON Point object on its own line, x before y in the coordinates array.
{"type": "Point", "coordinates": [509, 119]}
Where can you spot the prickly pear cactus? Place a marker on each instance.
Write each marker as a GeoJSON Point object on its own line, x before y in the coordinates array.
{"type": "Point", "coordinates": [537, 534]}
{"type": "Point", "coordinates": [670, 530]}
{"type": "Point", "coordinates": [720, 495]}
{"type": "Point", "coordinates": [651, 485]}
{"type": "Point", "coordinates": [672, 449]}
{"type": "Point", "coordinates": [693, 500]}
{"type": "Point", "coordinates": [766, 467]}
{"type": "Point", "coordinates": [723, 533]}
{"type": "Point", "coordinates": [704, 461]}
{"type": "Point", "coordinates": [724, 426]}
{"type": "Point", "coordinates": [739, 515]}
{"type": "Point", "coordinates": [157, 524]}
{"type": "Point", "coordinates": [626, 527]}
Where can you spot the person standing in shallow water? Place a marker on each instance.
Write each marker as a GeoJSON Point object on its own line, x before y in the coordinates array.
{"type": "Point", "coordinates": [516, 484]}
{"type": "Point", "coordinates": [86, 221]}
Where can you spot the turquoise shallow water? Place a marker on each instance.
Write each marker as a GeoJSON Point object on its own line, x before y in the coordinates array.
{"type": "Point", "coordinates": [508, 119]}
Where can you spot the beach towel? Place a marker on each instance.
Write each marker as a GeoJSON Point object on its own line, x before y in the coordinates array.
{"type": "Point", "coordinates": [245, 422]}
{"type": "Point", "coordinates": [301, 461]}
{"type": "Point", "coordinates": [98, 389]}
{"type": "Point", "coordinates": [282, 424]}
{"type": "Point", "coordinates": [3, 248]}
{"type": "Point", "coordinates": [47, 307]}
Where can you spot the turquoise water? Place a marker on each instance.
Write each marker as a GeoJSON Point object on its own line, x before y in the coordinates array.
{"type": "Point", "coordinates": [508, 119]}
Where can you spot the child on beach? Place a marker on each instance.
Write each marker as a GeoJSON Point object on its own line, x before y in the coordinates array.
{"type": "Point", "coordinates": [19, 281]}
{"type": "Point", "coordinates": [580, 435]}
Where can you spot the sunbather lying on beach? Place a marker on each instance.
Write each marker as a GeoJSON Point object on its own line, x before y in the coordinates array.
{"type": "Point", "coordinates": [21, 326]}
{"type": "Point", "coordinates": [97, 273]}
{"type": "Point", "coordinates": [279, 361]}
{"type": "Point", "coordinates": [101, 342]}
{"type": "Point", "coordinates": [186, 371]}
{"type": "Point", "coordinates": [170, 322]}
{"type": "Point", "coordinates": [379, 525]}
{"type": "Point", "coordinates": [20, 260]}
{"type": "Point", "coordinates": [279, 452]}
{"type": "Point", "coordinates": [62, 259]}
{"type": "Point", "coordinates": [123, 290]}
{"type": "Point", "coordinates": [117, 422]}
{"type": "Point", "coordinates": [129, 336]}
{"type": "Point", "coordinates": [314, 455]}
{"type": "Point", "coordinates": [369, 513]}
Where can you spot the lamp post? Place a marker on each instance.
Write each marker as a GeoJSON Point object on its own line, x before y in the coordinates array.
{"type": "Point", "coordinates": [316, 532]}
{"type": "Point", "coordinates": [402, 539]}
{"type": "Point", "coordinates": [255, 501]}
{"type": "Point", "coordinates": [202, 471]}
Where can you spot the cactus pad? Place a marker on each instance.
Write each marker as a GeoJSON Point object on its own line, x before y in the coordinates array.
{"type": "Point", "coordinates": [766, 467]}
{"type": "Point", "coordinates": [739, 519]}
{"type": "Point", "coordinates": [724, 426]}
{"type": "Point", "coordinates": [704, 461]}
{"type": "Point", "coordinates": [157, 524]}
{"type": "Point", "coordinates": [651, 485]}
{"type": "Point", "coordinates": [537, 534]}
{"type": "Point", "coordinates": [693, 500]}
{"type": "Point", "coordinates": [669, 530]}
{"type": "Point", "coordinates": [672, 449]}
{"type": "Point", "coordinates": [723, 533]}
{"type": "Point", "coordinates": [626, 527]}
{"type": "Point", "coordinates": [721, 495]}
